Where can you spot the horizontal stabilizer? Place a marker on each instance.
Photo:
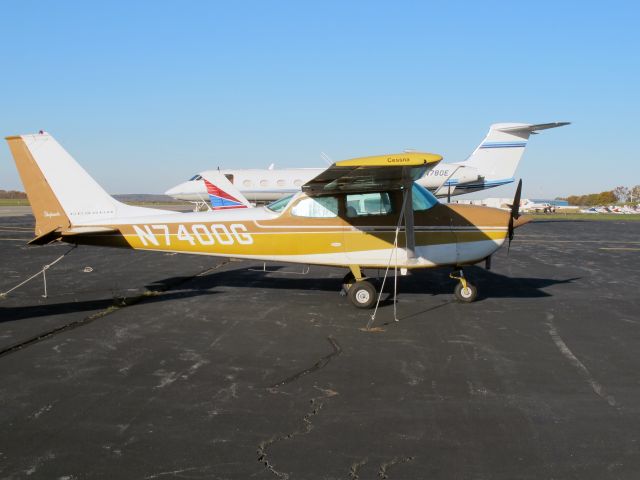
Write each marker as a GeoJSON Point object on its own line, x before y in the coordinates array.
{"type": "Point", "coordinates": [46, 238]}
{"type": "Point", "coordinates": [533, 128]}
{"type": "Point", "coordinates": [92, 229]}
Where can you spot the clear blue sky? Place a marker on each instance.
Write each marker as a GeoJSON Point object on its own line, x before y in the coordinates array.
{"type": "Point", "coordinates": [144, 94]}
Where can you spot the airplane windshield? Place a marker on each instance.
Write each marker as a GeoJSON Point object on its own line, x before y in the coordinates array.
{"type": "Point", "coordinates": [195, 177]}
{"type": "Point", "coordinates": [423, 199]}
{"type": "Point", "coordinates": [279, 205]}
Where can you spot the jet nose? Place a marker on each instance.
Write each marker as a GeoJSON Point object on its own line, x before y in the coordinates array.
{"type": "Point", "coordinates": [180, 190]}
{"type": "Point", "coordinates": [174, 191]}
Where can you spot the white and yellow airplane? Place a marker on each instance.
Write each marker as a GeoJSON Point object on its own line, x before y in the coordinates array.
{"type": "Point", "coordinates": [360, 213]}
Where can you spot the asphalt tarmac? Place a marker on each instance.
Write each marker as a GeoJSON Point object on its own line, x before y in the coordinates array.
{"type": "Point", "coordinates": [157, 366]}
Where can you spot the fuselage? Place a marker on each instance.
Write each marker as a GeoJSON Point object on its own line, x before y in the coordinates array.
{"type": "Point", "coordinates": [339, 230]}
{"type": "Point", "coordinates": [267, 185]}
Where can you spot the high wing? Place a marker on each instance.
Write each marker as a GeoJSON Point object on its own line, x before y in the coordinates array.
{"type": "Point", "coordinates": [382, 172]}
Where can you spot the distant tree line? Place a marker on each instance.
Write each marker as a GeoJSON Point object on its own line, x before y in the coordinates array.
{"type": "Point", "coordinates": [617, 195]}
{"type": "Point", "coordinates": [12, 194]}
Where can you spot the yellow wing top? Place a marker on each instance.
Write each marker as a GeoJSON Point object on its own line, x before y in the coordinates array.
{"type": "Point", "coordinates": [381, 172]}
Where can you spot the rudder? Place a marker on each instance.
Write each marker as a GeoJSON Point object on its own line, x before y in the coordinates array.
{"type": "Point", "coordinates": [47, 210]}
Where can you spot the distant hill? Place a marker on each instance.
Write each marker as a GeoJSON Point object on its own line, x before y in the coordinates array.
{"type": "Point", "coordinates": [12, 194]}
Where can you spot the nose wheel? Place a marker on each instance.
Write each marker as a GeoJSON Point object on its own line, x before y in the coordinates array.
{"type": "Point", "coordinates": [465, 291]}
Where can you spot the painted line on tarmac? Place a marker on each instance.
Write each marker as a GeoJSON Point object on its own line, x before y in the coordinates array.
{"type": "Point", "coordinates": [628, 249]}
{"type": "Point", "coordinates": [26, 239]}
{"type": "Point", "coordinates": [597, 388]}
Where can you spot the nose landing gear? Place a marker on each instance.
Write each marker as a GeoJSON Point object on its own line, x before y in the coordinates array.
{"type": "Point", "coordinates": [465, 291]}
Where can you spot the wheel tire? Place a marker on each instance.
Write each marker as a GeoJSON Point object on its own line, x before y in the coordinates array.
{"type": "Point", "coordinates": [362, 294]}
{"type": "Point", "coordinates": [466, 295]}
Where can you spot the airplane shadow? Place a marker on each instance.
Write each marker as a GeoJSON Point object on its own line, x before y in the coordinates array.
{"type": "Point", "coordinates": [9, 314]}
{"type": "Point", "coordinates": [433, 281]}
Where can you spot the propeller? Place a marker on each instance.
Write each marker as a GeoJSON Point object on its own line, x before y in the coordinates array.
{"type": "Point", "coordinates": [515, 211]}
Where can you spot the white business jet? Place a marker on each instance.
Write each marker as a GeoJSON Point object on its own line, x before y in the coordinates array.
{"type": "Point", "coordinates": [493, 163]}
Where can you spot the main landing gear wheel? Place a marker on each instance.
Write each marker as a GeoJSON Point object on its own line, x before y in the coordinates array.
{"type": "Point", "coordinates": [466, 294]}
{"type": "Point", "coordinates": [362, 294]}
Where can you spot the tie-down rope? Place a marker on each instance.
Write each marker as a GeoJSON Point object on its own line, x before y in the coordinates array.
{"type": "Point", "coordinates": [41, 272]}
{"type": "Point", "coordinates": [394, 251]}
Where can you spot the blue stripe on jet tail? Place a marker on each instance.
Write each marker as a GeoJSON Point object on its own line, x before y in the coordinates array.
{"type": "Point", "coordinates": [504, 145]}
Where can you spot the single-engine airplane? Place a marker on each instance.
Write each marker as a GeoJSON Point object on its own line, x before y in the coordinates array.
{"type": "Point", "coordinates": [360, 213]}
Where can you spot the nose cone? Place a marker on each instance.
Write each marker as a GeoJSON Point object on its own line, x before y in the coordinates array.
{"type": "Point", "coordinates": [193, 190]}
{"type": "Point", "coordinates": [521, 220]}
{"type": "Point", "coordinates": [173, 191]}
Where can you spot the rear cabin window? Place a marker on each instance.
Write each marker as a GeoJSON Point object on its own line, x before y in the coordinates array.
{"type": "Point", "coordinates": [367, 204]}
{"type": "Point", "coordinates": [316, 207]}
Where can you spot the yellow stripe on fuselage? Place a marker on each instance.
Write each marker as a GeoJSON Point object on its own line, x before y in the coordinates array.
{"type": "Point", "coordinates": [239, 239]}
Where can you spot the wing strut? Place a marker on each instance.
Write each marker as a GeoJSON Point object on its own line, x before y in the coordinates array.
{"type": "Point", "coordinates": [407, 206]}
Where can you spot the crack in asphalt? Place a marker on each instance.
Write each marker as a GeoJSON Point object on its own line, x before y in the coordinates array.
{"type": "Point", "coordinates": [382, 473]}
{"type": "Point", "coordinates": [323, 362]}
{"type": "Point", "coordinates": [307, 426]}
{"type": "Point", "coordinates": [355, 468]}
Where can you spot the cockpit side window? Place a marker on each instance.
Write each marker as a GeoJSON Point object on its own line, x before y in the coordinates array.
{"type": "Point", "coordinates": [367, 204]}
{"type": "Point", "coordinates": [423, 199]}
{"type": "Point", "coordinates": [316, 207]}
{"type": "Point", "coordinates": [280, 204]}
{"type": "Point", "coordinates": [195, 177]}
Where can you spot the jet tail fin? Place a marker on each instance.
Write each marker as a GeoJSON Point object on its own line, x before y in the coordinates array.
{"type": "Point", "coordinates": [222, 194]}
{"type": "Point", "coordinates": [498, 155]}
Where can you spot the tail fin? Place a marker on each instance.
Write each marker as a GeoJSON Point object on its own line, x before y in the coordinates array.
{"type": "Point", "coordinates": [222, 194]}
{"type": "Point", "coordinates": [497, 157]}
{"type": "Point", "coordinates": [61, 192]}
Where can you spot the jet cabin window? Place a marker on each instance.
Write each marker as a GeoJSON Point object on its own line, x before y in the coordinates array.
{"type": "Point", "coordinates": [316, 207]}
{"type": "Point", "coordinates": [366, 204]}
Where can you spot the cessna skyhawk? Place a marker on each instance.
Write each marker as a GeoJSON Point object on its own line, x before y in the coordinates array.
{"type": "Point", "coordinates": [357, 214]}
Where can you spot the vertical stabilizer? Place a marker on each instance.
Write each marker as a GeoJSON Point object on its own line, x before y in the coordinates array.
{"type": "Point", "coordinates": [60, 191]}
{"type": "Point", "coordinates": [46, 208]}
{"type": "Point", "coordinates": [499, 154]}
